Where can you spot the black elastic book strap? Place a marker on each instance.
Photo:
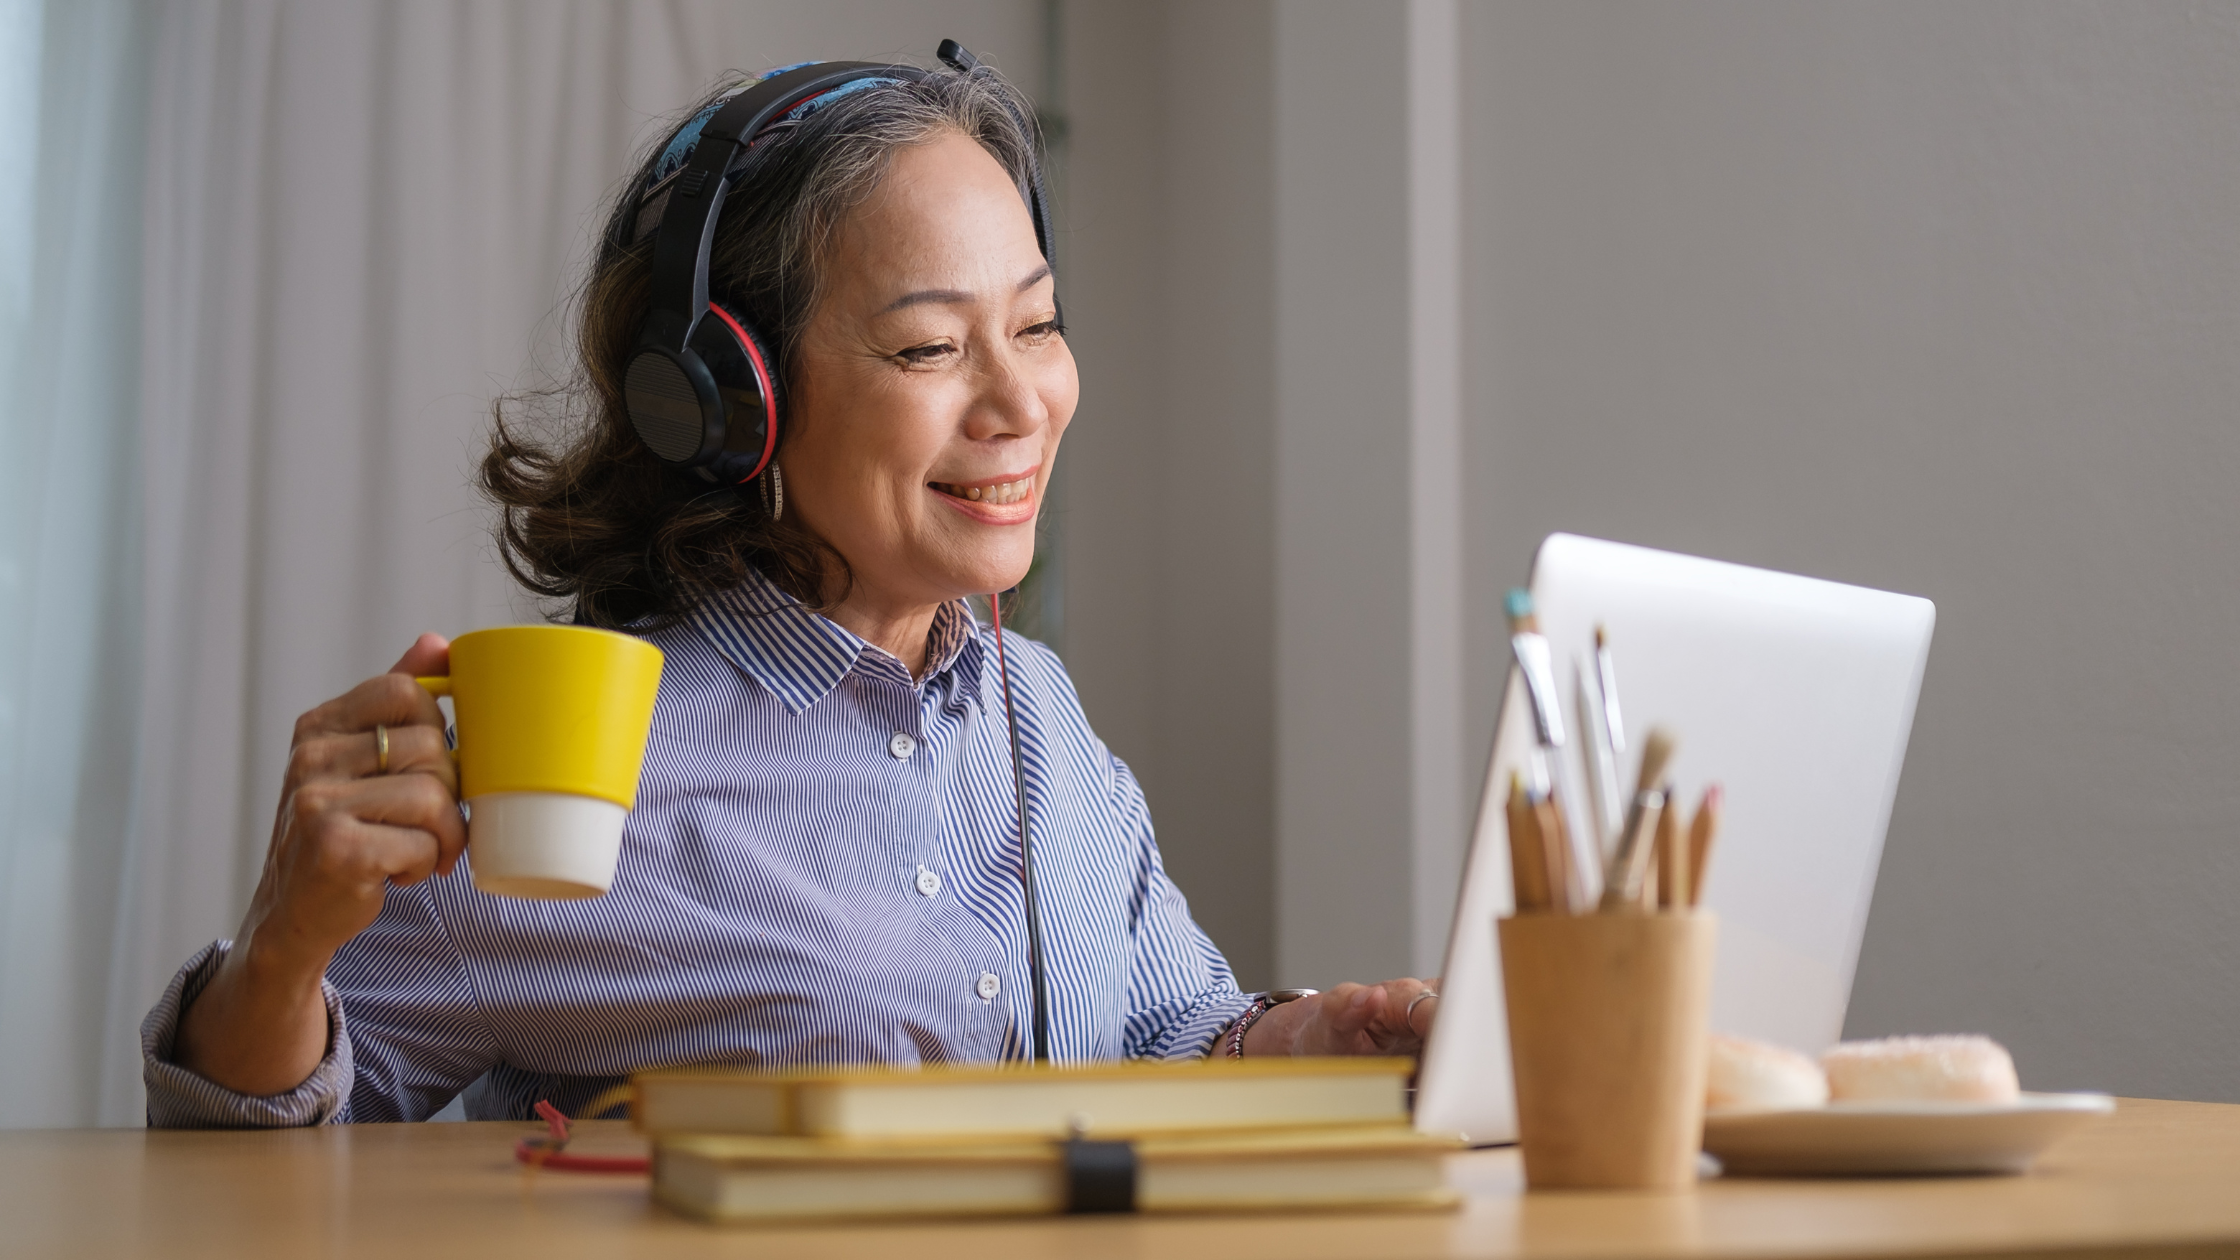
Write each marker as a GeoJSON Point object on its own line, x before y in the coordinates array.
{"type": "Point", "coordinates": [1100, 1176]}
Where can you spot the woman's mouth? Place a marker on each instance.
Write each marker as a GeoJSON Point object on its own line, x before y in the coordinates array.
{"type": "Point", "coordinates": [997, 494]}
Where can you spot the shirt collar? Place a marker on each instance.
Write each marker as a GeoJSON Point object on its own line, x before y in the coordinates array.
{"type": "Point", "coordinates": [801, 655]}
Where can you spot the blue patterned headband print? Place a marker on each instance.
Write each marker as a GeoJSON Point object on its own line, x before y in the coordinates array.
{"type": "Point", "coordinates": [681, 145]}
{"type": "Point", "coordinates": [655, 199]}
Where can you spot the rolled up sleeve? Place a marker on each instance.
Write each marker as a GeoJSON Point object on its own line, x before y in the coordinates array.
{"type": "Point", "coordinates": [180, 1099]}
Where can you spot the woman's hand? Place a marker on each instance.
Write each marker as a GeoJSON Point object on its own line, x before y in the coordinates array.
{"type": "Point", "coordinates": [1383, 1018]}
{"type": "Point", "coordinates": [346, 830]}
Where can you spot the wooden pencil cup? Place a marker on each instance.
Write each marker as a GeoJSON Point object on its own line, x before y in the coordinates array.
{"type": "Point", "coordinates": [1608, 1039]}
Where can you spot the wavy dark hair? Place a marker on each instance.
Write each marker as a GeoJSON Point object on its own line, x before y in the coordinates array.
{"type": "Point", "coordinates": [587, 513]}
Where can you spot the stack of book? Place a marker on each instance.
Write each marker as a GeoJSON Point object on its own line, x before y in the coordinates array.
{"type": "Point", "coordinates": [1219, 1135]}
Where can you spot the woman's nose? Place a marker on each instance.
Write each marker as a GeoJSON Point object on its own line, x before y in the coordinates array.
{"type": "Point", "coordinates": [1010, 402]}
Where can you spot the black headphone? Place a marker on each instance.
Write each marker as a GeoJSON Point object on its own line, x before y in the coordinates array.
{"type": "Point", "coordinates": [701, 386]}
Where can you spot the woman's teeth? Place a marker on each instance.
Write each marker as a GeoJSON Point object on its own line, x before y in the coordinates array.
{"type": "Point", "coordinates": [1005, 492]}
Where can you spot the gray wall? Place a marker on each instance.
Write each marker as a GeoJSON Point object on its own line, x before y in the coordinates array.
{"type": "Point", "coordinates": [1169, 564]}
{"type": "Point", "coordinates": [1237, 514]}
{"type": "Point", "coordinates": [1945, 299]}
{"type": "Point", "coordinates": [1344, 862]}
{"type": "Point", "coordinates": [1939, 298]}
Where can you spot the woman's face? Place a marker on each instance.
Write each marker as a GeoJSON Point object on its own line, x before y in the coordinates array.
{"type": "Point", "coordinates": [931, 384]}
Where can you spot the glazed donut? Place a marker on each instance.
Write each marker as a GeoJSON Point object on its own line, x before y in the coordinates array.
{"type": "Point", "coordinates": [1921, 1069]}
{"type": "Point", "coordinates": [1751, 1075]}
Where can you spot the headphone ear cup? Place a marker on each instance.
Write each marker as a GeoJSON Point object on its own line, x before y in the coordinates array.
{"type": "Point", "coordinates": [741, 369]}
{"type": "Point", "coordinates": [673, 402]}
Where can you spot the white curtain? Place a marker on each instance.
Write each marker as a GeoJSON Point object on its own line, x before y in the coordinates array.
{"type": "Point", "coordinates": [70, 113]}
{"type": "Point", "coordinates": [359, 224]}
{"type": "Point", "coordinates": [263, 270]}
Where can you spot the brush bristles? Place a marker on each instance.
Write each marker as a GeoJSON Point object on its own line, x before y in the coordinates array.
{"type": "Point", "coordinates": [1656, 750]}
{"type": "Point", "coordinates": [1517, 604]}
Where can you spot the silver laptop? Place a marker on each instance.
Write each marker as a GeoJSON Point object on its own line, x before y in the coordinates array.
{"type": "Point", "coordinates": [1797, 695]}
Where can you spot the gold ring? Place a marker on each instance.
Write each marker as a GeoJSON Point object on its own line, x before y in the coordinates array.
{"type": "Point", "coordinates": [380, 749]}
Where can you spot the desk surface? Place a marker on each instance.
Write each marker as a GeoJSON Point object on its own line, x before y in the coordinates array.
{"type": "Point", "coordinates": [2158, 1175]}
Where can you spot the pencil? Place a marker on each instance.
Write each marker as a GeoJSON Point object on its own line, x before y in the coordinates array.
{"type": "Point", "coordinates": [1702, 832]}
{"type": "Point", "coordinates": [1528, 871]}
{"type": "Point", "coordinates": [1555, 844]}
{"type": "Point", "coordinates": [1672, 859]}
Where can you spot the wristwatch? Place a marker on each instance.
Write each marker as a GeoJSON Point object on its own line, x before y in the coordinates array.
{"type": "Point", "coordinates": [1259, 1007]}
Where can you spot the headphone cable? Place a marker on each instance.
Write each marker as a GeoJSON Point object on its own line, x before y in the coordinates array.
{"type": "Point", "coordinates": [1026, 848]}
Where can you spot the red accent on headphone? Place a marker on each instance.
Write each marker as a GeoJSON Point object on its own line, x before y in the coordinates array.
{"type": "Point", "coordinates": [769, 390]}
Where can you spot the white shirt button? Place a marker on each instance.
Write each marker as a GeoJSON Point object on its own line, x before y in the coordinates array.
{"type": "Point", "coordinates": [902, 746]}
{"type": "Point", "coordinates": [929, 883]}
{"type": "Point", "coordinates": [988, 987]}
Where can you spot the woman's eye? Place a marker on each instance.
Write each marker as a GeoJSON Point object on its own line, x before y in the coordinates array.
{"type": "Point", "coordinates": [1043, 331]}
{"type": "Point", "coordinates": [927, 353]}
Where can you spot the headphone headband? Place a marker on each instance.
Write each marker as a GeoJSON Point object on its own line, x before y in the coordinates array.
{"type": "Point", "coordinates": [694, 201]}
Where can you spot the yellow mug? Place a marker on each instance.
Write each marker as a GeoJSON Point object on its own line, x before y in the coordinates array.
{"type": "Point", "coordinates": [552, 734]}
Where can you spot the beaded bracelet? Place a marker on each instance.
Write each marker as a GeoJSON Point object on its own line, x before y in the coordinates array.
{"type": "Point", "coordinates": [1243, 1024]}
{"type": "Point", "coordinates": [1260, 1006]}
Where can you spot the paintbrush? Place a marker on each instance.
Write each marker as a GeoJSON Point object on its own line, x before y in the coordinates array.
{"type": "Point", "coordinates": [1537, 665]}
{"type": "Point", "coordinates": [1606, 680]}
{"type": "Point", "coordinates": [1621, 883]}
{"type": "Point", "coordinates": [1701, 833]}
{"type": "Point", "coordinates": [1537, 669]}
{"type": "Point", "coordinates": [1603, 793]}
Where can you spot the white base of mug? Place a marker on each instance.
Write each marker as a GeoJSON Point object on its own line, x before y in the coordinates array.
{"type": "Point", "coordinates": [550, 846]}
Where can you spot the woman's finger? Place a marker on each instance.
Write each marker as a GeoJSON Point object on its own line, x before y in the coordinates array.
{"type": "Point", "coordinates": [387, 700]}
{"type": "Point", "coordinates": [1394, 1027]}
{"type": "Point", "coordinates": [1422, 1014]}
{"type": "Point", "coordinates": [375, 853]}
{"type": "Point", "coordinates": [334, 813]}
{"type": "Point", "coordinates": [423, 802]}
{"type": "Point", "coordinates": [412, 748]}
{"type": "Point", "coordinates": [1414, 1002]}
{"type": "Point", "coordinates": [428, 657]}
{"type": "Point", "coordinates": [1344, 1017]}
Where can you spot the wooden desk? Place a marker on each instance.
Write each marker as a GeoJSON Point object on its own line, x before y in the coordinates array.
{"type": "Point", "coordinates": [2159, 1177]}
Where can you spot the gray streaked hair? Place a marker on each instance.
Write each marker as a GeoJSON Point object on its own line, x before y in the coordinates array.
{"type": "Point", "coordinates": [587, 514]}
{"type": "Point", "coordinates": [803, 178]}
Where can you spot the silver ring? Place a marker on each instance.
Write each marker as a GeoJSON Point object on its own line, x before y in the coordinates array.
{"type": "Point", "coordinates": [1408, 1016]}
{"type": "Point", "coordinates": [380, 749]}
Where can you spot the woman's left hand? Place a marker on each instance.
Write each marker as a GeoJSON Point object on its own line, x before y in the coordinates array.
{"type": "Point", "coordinates": [1383, 1018]}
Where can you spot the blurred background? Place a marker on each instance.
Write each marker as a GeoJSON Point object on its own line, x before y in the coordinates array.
{"type": "Point", "coordinates": [1368, 298]}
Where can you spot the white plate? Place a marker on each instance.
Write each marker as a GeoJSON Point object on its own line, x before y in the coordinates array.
{"type": "Point", "coordinates": [1897, 1137]}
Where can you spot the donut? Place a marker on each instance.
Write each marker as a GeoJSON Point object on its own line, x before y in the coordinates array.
{"type": "Point", "coordinates": [1751, 1075]}
{"type": "Point", "coordinates": [1921, 1069]}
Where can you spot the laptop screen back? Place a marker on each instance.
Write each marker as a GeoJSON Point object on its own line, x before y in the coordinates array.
{"type": "Point", "coordinates": [1794, 693]}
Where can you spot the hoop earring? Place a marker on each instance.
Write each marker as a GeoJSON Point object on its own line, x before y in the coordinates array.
{"type": "Point", "coordinates": [774, 493]}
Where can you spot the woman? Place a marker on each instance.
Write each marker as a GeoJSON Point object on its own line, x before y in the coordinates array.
{"type": "Point", "coordinates": [822, 865]}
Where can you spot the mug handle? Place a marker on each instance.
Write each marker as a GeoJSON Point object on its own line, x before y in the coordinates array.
{"type": "Point", "coordinates": [441, 686]}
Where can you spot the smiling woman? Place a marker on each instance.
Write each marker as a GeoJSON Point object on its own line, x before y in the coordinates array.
{"type": "Point", "coordinates": [826, 863]}
{"type": "Point", "coordinates": [931, 386]}
{"type": "Point", "coordinates": [629, 541]}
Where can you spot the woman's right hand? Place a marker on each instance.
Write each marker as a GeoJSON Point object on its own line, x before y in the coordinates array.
{"type": "Point", "coordinates": [345, 831]}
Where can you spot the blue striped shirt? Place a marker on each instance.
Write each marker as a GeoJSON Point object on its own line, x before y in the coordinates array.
{"type": "Point", "coordinates": [822, 867]}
